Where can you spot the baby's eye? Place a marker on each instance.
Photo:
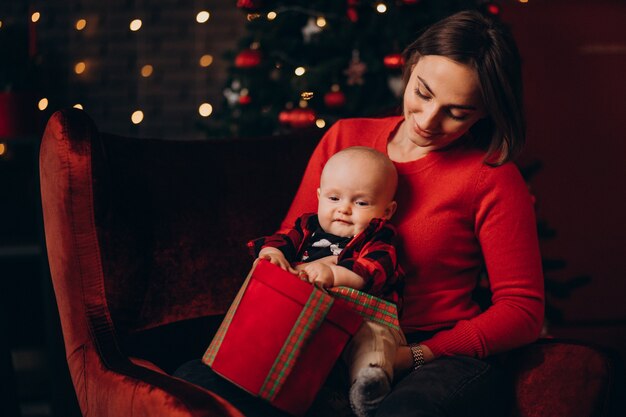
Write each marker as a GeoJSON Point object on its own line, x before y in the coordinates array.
{"type": "Point", "coordinates": [362, 203]}
{"type": "Point", "coordinates": [333, 198]}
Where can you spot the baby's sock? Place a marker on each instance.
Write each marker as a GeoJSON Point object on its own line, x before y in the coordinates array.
{"type": "Point", "coordinates": [370, 387]}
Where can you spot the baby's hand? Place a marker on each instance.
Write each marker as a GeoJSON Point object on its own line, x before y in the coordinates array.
{"type": "Point", "coordinates": [318, 273]}
{"type": "Point", "coordinates": [277, 258]}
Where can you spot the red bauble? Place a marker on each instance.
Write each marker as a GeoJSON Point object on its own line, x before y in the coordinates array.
{"type": "Point", "coordinates": [244, 100]}
{"type": "Point", "coordinates": [393, 61]}
{"type": "Point", "coordinates": [351, 11]}
{"type": "Point", "coordinates": [491, 8]}
{"type": "Point", "coordinates": [249, 4]}
{"type": "Point", "coordinates": [335, 99]}
{"type": "Point", "coordinates": [248, 58]}
{"type": "Point", "coordinates": [297, 118]}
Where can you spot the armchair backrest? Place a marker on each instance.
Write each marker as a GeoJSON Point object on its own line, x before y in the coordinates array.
{"type": "Point", "coordinates": [135, 215]}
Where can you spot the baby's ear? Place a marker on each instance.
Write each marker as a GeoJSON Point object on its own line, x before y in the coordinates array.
{"type": "Point", "coordinates": [318, 193]}
{"type": "Point", "coordinates": [390, 210]}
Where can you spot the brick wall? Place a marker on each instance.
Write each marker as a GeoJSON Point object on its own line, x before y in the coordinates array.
{"type": "Point", "coordinates": [112, 88]}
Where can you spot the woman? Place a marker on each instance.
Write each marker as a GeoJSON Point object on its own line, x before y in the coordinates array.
{"type": "Point", "coordinates": [462, 206]}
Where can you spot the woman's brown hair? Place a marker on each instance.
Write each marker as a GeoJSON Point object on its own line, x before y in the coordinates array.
{"type": "Point", "coordinates": [487, 45]}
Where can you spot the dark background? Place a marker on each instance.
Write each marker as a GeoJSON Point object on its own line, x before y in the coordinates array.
{"type": "Point", "coordinates": [574, 67]}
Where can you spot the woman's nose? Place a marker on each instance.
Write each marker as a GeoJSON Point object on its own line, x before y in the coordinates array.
{"type": "Point", "coordinates": [428, 118]}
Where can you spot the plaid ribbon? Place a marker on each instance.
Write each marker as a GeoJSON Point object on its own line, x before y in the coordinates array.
{"type": "Point", "coordinates": [369, 307]}
{"type": "Point", "coordinates": [310, 318]}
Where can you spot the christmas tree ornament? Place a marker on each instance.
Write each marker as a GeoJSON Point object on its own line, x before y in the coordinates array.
{"type": "Point", "coordinates": [351, 10]}
{"type": "Point", "coordinates": [491, 8]}
{"type": "Point", "coordinates": [248, 58]}
{"type": "Point", "coordinates": [335, 98]}
{"type": "Point", "coordinates": [355, 71]}
{"type": "Point", "coordinates": [245, 99]}
{"type": "Point", "coordinates": [393, 61]}
{"type": "Point", "coordinates": [231, 96]}
{"type": "Point", "coordinates": [306, 95]}
{"type": "Point", "coordinates": [297, 118]}
{"type": "Point", "coordinates": [249, 4]}
{"type": "Point", "coordinates": [310, 29]}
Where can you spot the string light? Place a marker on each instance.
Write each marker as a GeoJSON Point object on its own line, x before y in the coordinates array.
{"type": "Point", "coordinates": [43, 104]}
{"type": "Point", "coordinates": [203, 16]}
{"type": "Point", "coordinates": [321, 123]}
{"type": "Point", "coordinates": [135, 25]}
{"type": "Point", "coordinates": [137, 117]}
{"type": "Point", "coordinates": [381, 7]}
{"type": "Point", "coordinates": [523, 1]}
{"type": "Point", "coordinates": [321, 22]}
{"type": "Point", "coordinates": [205, 109]}
{"type": "Point", "coordinates": [80, 24]}
{"type": "Point", "coordinates": [3, 149]}
{"type": "Point", "coordinates": [271, 15]}
{"type": "Point", "coordinates": [78, 106]}
{"type": "Point", "coordinates": [35, 17]}
{"type": "Point", "coordinates": [299, 71]}
{"type": "Point", "coordinates": [146, 70]}
{"type": "Point", "coordinates": [80, 67]}
{"type": "Point", "coordinates": [253, 16]}
{"type": "Point", "coordinates": [0, 23]}
{"type": "Point", "coordinates": [206, 60]}
{"type": "Point", "coordinates": [306, 95]}
{"type": "Point", "coordinates": [303, 104]}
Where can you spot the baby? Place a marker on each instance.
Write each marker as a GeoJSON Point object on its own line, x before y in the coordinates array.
{"type": "Point", "coordinates": [349, 242]}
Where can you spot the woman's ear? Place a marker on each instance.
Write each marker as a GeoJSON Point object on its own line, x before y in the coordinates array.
{"type": "Point", "coordinates": [390, 210]}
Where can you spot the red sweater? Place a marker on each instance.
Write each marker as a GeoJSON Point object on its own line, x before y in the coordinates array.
{"type": "Point", "coordinates": [455, 214]}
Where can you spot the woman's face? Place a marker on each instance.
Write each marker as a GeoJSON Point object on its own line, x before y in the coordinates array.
{"type": "Point", "coordinates": [442, 100]}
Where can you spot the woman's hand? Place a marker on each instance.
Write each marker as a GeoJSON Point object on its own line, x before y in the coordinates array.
{"type": "Point", "coordinates": [277, 258]}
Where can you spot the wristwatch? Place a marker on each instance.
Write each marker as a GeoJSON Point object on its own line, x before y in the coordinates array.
{"type": "Point", "coordinates": [418, 355]}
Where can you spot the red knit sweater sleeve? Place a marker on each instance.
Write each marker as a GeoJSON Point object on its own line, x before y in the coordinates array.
{"type": "Point", "coordinates": [506, 229]}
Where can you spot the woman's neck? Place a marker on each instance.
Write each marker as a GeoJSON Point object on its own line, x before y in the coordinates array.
{"type": "Point", "coordinates": [401, 149]}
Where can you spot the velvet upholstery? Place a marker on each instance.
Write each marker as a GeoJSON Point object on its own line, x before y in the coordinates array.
{"type": "Point", "coordinates": [146, 245]}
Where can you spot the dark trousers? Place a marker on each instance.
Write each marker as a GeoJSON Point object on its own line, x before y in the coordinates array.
{"type": "Point", "coordinates": [456, 386]}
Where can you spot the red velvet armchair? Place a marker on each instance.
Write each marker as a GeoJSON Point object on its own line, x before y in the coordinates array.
{"type": "Point", "coordinates": [146, 245]}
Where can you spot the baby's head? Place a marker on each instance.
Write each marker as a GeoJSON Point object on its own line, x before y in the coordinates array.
{"type": "Point", "coordinates": [357, 185]}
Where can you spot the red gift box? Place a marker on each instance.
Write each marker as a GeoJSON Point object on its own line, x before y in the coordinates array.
{"type": "Point", "coordinates": [281, 337]}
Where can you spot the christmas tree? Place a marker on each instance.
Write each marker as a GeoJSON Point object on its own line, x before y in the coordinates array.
{"type": "Point", "coordinates": [305, 63]}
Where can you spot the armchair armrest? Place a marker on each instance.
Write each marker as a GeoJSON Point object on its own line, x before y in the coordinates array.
{"type": "Point", "coordinates": [121, 387]}
{"type": "Point", "coordinates": [565, 378]}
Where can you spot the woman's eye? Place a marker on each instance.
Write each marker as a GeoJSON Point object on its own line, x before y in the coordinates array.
{"type": "Point", "coordinates": [457, 116]}
{"type": "Point", "coordinates": [421, 95]}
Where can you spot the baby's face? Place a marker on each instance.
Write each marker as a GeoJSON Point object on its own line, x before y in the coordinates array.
{"type": "Point", "coordinates": [351, 196]}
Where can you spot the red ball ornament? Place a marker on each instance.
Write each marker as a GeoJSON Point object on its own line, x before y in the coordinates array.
{"type": "Point", "coordinates": [245, 100]}
{"type": "Point", "coordinates": [297, 118]}
{"type": "Point", "coordinates": [249, 4]}
{"type": "Point", "coordinates": [491, 8]}
{"type": "Point", "coordinates": [351, 11]}
{"type": "Point", "coordinates": [335, 99]}
{"type": "Point", "coordinates": [248, 58]}
{"type": "Point", "coordinates": [393, 61]}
